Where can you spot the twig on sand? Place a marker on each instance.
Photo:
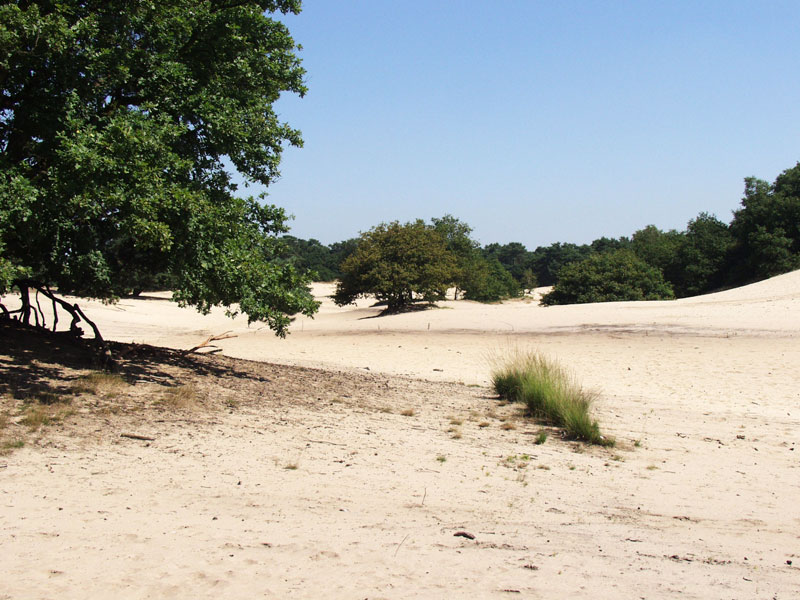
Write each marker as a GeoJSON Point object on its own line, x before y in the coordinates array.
{"type": "Point", "coordinates": [400, 544]}
{"type": "Point", "coordinates": [136, 436]}
{"type": "Point", "coordinates": [325, 442]}
{"type": "Point", "coordinates": [207, 343]}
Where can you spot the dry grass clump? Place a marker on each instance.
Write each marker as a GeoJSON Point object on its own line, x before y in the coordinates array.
{"type": "Point", "coordinates": [550, 394]}
{"type": "Point", "coordinates": [104, 384]}
{"type": "Point", "coordinates": [43, 408]}
{"type": "Point", "coordinates": [7, 445]}
{"type": "Point", "coordinates": [181, 397]}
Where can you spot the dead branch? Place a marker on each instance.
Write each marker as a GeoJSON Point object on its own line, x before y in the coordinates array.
{"type": "Point", "coordinates": [207, 343]}
{"type": "Point", "coordinates": [136, 436]}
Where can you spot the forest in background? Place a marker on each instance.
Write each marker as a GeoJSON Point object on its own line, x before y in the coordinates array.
{"type": "Point", "coordinates": [761, 240]}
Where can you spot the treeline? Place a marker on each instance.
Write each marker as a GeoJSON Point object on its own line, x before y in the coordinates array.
{"type": "Point", "coordinates": [761, 240]}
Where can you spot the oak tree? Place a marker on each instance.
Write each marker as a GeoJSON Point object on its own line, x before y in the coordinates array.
{"type": "Point", "coordinates": [121, 126]}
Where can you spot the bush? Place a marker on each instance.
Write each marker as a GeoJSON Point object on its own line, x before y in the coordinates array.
{"type": "Point", "coordinates": [610, 277]}
{"type": "Point", "coordinates": [550, 394]}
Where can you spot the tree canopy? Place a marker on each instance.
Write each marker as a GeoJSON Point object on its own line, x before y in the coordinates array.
{"type": "Point", "coordinates": [767, 227]}
{"type": "Point", "coordinates": [119, 124]}
{"type": "Point", "coordinates": [398, 264]}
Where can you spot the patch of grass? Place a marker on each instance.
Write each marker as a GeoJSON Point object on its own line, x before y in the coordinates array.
{"type": "Point", "coordinates": [456, 435]}
{"type": "Point", "coordinates": [9, 446]}
{"type": "Point", "coordinates": [291, 466]}
{"type": "Point", "coordinates": [637, 443]}
{"type": "Point", "coordinates": [541, 438]}
{"type": "Point", "coordinates": [550, 394]}
{"type": "Point", "coordinates": [408, 412]}
{"type": "Point", "coordinates": [385, 409]}
{"type": "Point", "coordinates": [456, 421]}
{"type": "Point", "coordinates": [508, 426]}
{"type": "Point", "coordinates": [36, 416]}
{"type": "Point", "coordinates": [183, 396]}
{"type": "Point", "coordinates": [105, 384]}
{"type": "Point", "coordinates": [441, 458]}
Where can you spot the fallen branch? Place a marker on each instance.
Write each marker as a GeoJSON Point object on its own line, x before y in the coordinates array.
{"type": "Point", "coordinates": [135, 436]}
{"type": "Point", "coordinates": [207, 343]}
{"type": "Point", "coordinates": [325, 442]}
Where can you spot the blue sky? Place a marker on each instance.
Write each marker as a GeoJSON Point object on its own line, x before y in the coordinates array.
{"type": "Point", "coordinates": [537, 121]}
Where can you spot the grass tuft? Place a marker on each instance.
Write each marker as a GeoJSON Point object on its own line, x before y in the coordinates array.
{"type": "Point", "coordinates": [7, 447]}
{"type": "Point", "coordinates": [550, 394]}
{"type": "Point", "coordinates": [107, 384]}
{"type": "Point", "coordinates": [183, 396]}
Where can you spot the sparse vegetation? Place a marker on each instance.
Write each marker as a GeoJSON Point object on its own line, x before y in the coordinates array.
{"type": "Point", "coordinates": [8, 446]}
{"type": "Point", "coordinates": [35, 417]}
{"type": "Point", "coordinates": [183, 396]}
{"type": "Point", "coordinates": [550, 394]}
{"type": "Point", "coordinates": [541, 438]}
{"type": "Point", "coordinates": [408, 412]}
{"type": "Point", "coordinates": [104, 384]}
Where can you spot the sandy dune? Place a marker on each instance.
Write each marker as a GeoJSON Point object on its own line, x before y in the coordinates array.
{"type": "Point", "coordinates": [699, 499]}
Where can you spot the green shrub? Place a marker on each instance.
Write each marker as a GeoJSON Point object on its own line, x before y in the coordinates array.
{"type": "Point", "coordinates": [489, 281]}
{"type": "Point", "coordinates": [550, 394]}
{"type": "Point", "coordinates": [610, 277]}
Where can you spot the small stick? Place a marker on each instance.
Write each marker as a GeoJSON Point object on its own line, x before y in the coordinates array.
{"type": "Point", "coordinates": [325, 442]}
{"type": "Point", "coordinates": [400, 544]}
{"type": "Point", "coordinates": [424, 495]}
{"type": "Point", "coordinates": [135, 436]}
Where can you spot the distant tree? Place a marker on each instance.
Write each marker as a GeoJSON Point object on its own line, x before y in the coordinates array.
{"type": "Point", "coordinates": [398, 264]}
{"type": "Point", "coordinates": [767, 228]}
{"type": "Point", "coordinates": [489, 281]}
{"type": "Point", "coordinates": [339, 251]}
{"type": "Point", "coordinates": [605, 244]}
{"type": "Point", "coordinates": [528, 282]}
{"type": "Point", "coordinates": [456, 235]}
{"type": "Point", "coordinates": [310, 257]}
{"type": "Point", "coordinates": [608, 277]}
{"type": "Point", "coordinates": [513, 256]}
{"type": "Point", "coordinates": [704, 255]}
{"type": "Point", "coordinates": [117, 121]}
{"type": "Point", "coordinates": [660, 249]}
{"type": "Point", "coordinates": [547, 261]}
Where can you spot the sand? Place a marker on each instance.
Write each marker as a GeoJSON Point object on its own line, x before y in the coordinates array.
{"type": "Point", "coordinates": [337, 494]}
